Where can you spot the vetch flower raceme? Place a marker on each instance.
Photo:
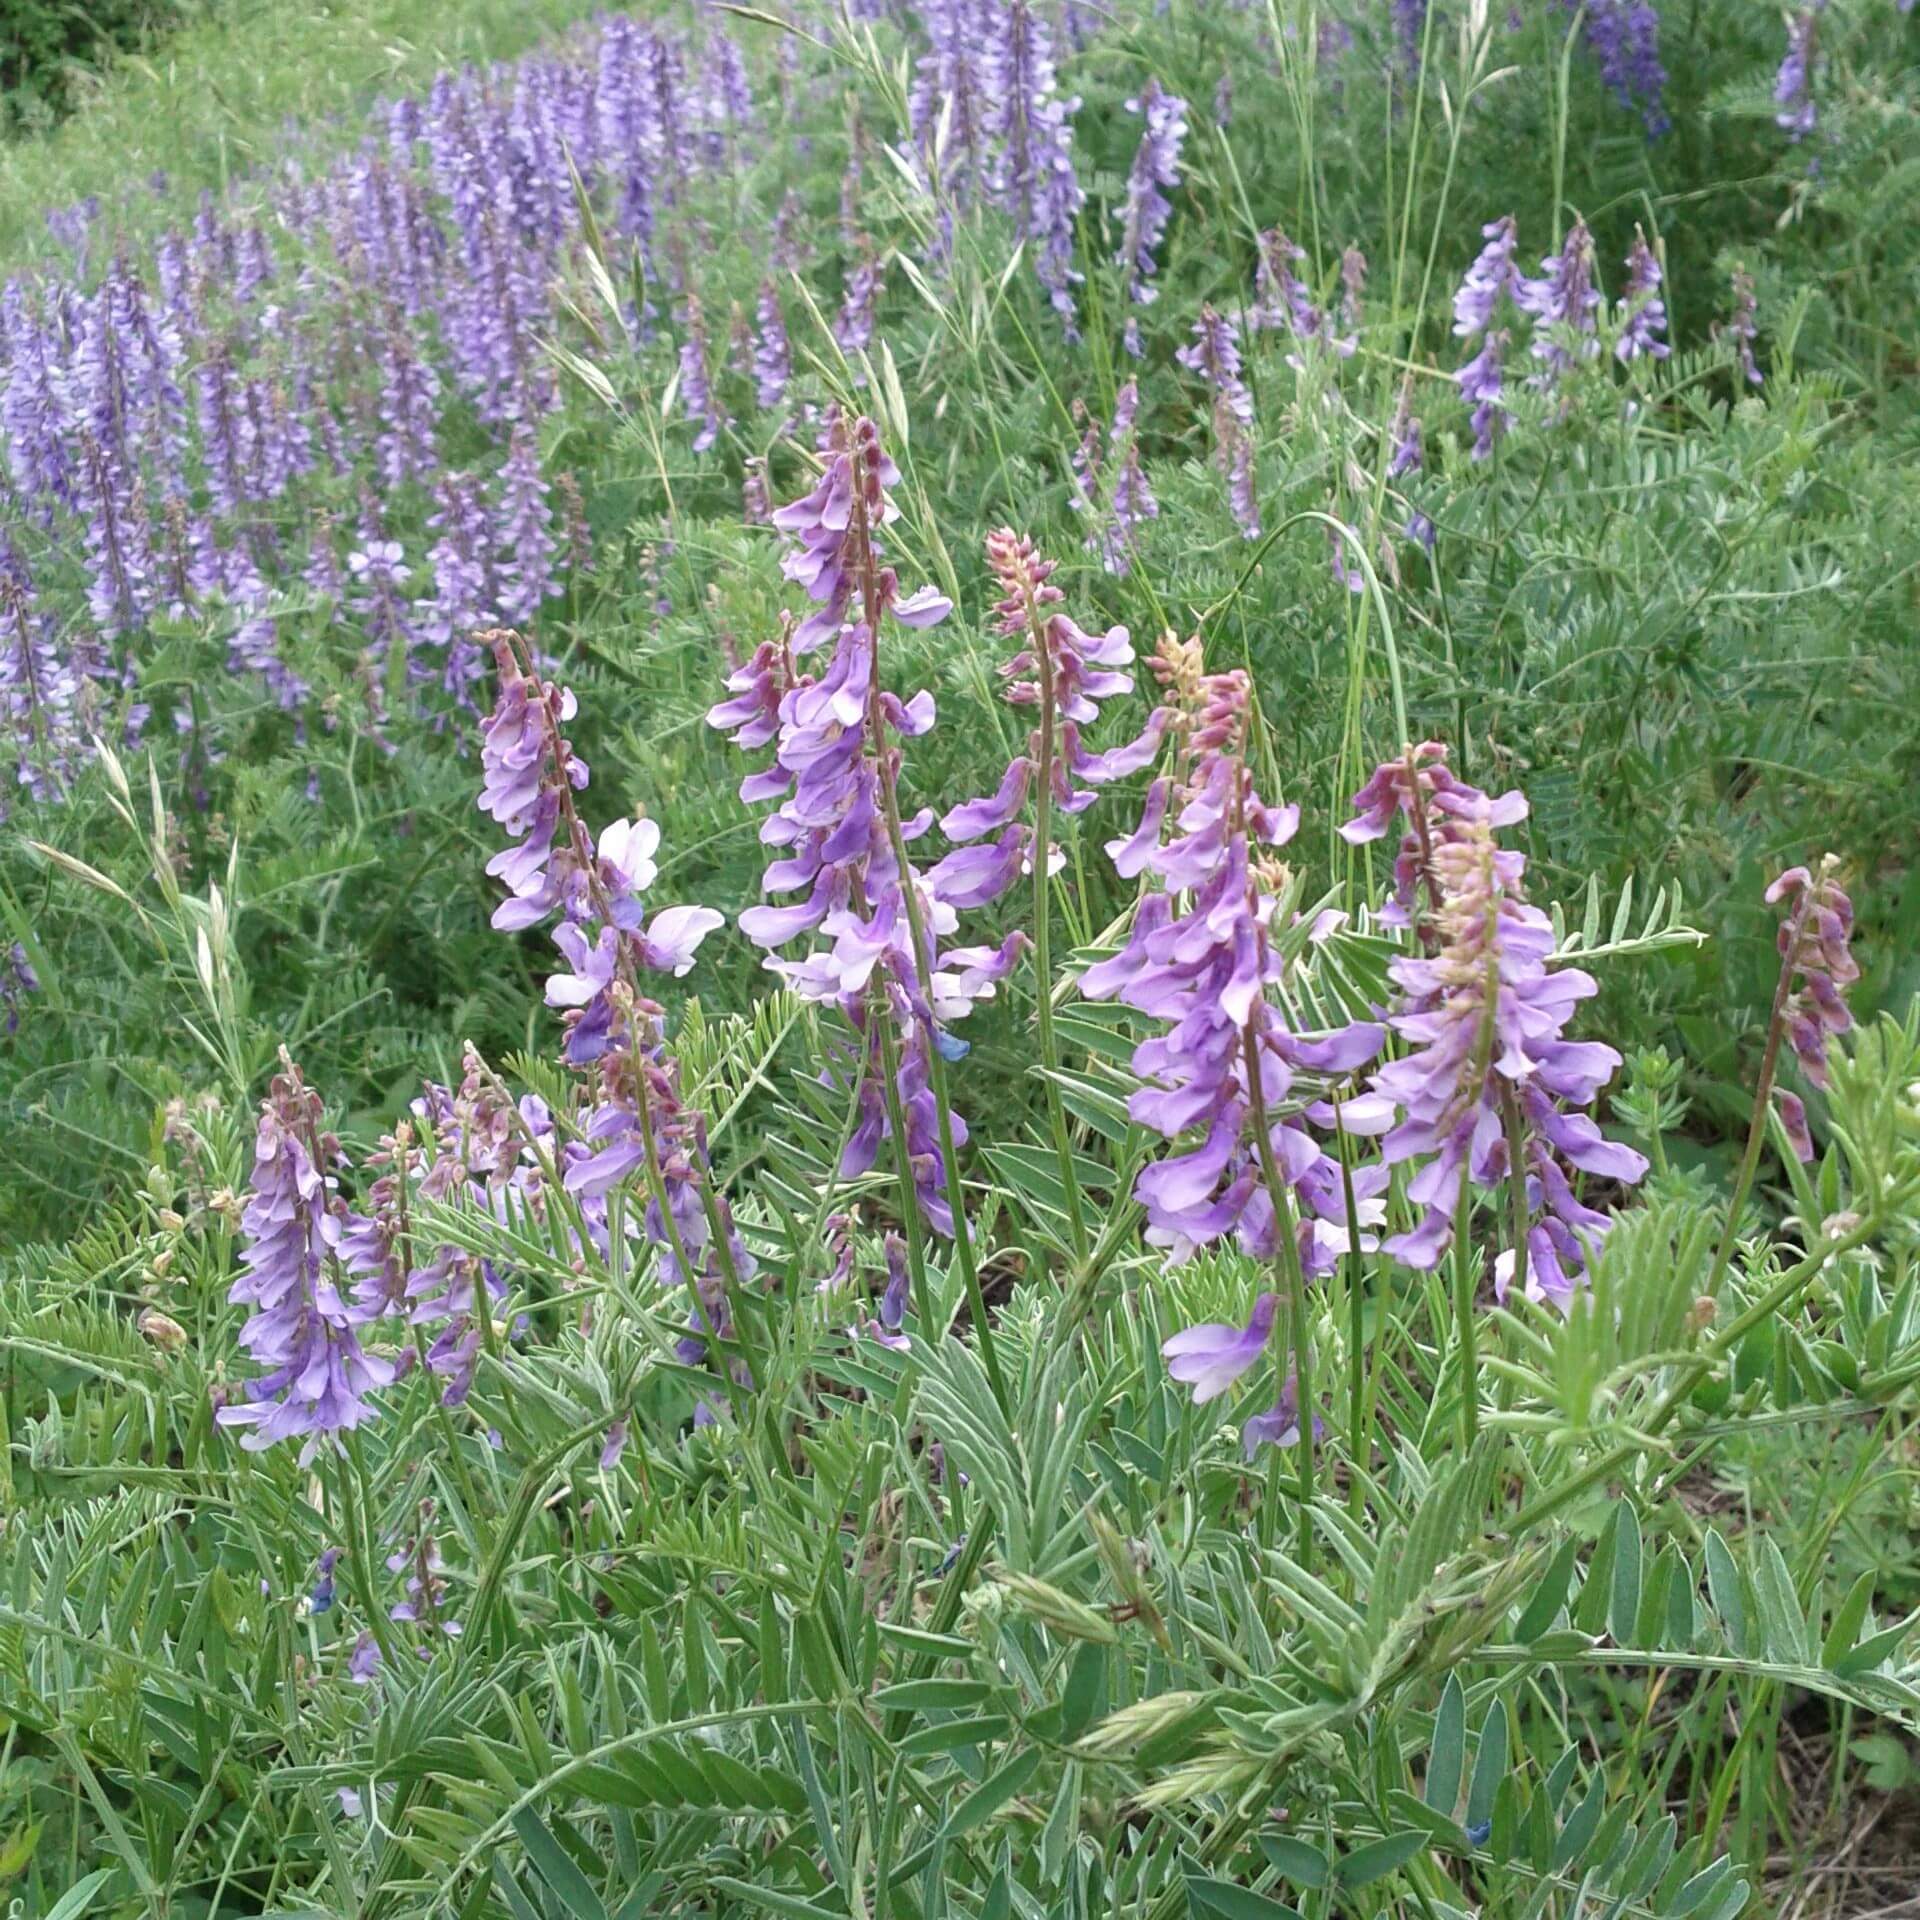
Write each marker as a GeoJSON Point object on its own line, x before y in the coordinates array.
{"type": "Point", "coordinates": [1564, 302]}
{"type": "Point", "coordinates": [1156, 166]}
{"type": "Point", "coordinates": [1816, 960]}
{"type": "Point", "coordinates": [1491, 1074]}
{"type": "Point", "coordinates": [301, 1327]}
{"type": "Point", "coordinates": [1204, 973]}
{"type": "Point", "coordinates": [1214, 354]}
{"type": "Point", "coordinates": [877, 922]}
{"type": "Point", "coordinates": [1643, 313]}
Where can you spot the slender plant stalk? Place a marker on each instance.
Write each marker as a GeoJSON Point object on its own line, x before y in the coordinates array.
{"type": "Point", "coordinates": [1762, 1103]}
{"type": "Point", "coordinates": [1465, 1274]}
{"type": "Point", "coordinates": [1043, 934]}
{"type": "Point", "coordinates": [923, 966]}
{"type": "Point", "coordinates": [1293, 1282]}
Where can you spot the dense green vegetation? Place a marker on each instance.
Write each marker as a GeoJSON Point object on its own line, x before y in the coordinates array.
{"type": "Point", "coordinates": [1588, 1603]}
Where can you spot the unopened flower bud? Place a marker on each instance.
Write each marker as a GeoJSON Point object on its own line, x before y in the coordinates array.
{"type": "Point", "coordinates": [165, 1332]}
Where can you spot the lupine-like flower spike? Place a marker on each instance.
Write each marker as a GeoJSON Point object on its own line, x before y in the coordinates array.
{"type": "Point", "coordinates": [1075, 673]}
{"type": "Point", "coordinates": [1131, 503]}
{"type": "Point", "coordinates": [637, 1121]}
{"type": "Point", "coordinates": [1156, 167]}
{"type": "Point", "coordinates": [878, 953]}
{"type": "Point", "coordinates": [1816, 961]}
{"type": "Point", "coordinates": [1793, 85]}
{"type": "Point", "coordinates": [1493, 273]}
{"type": "Point", "coordinates": [1214, 354]}
{"type": "Point", "coordinates": [1565, 300]}
{"type": "Point", "coordinates": [1643, 311]}
{"type": "Point", "coordinates": [1283, 301]}
{"type": "Point", "coordinates": [1200, 959]}
{"type": "Point", "coordinates": [1490, 1071]}
{"type": "Point", "coordinates": [1482, 381]}
{"type": "Point", "coordinates": [1624, 37]}
{"type": "Point", "coordinates": [301, 1328]}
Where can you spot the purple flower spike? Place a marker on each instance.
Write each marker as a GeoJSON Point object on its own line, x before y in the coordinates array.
{"type": "Point", "coordinates": [1486, 1018]}
{"type": "Point", "coordinates": [1564, 298]}
{"type": "Point", "coordinates": [1495, 272]}
{"type": "Point", "coordinates": [317, 1379]}
{"type": "Point", "coordinates": [1212, 1357]}
{"type": "Point", "coordinates": [1482, 381]}
{"type": "Point", "coordinates": [1203, 975]}
{"type": "Point", "coordinates": [1156, 166]}
{"type": "Point", "coordinates": [1793, 85]}
{"type": "Point", "coordinates": [836, 755]}
{"type": "Point", "coordinates": [1643, 312]}
{"type": "Point", "coordinates": [1817, 957]}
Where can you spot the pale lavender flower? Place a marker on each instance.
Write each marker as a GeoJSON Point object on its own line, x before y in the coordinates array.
{"type": "Point", "coordinates": [523, 532]}
{"type": "Point", "coordinates": [1643, 312]}
{"type": "Point", "coordinates": [835, 748]}
{"type": "Point", "coordinates": [1081, 671]}
{"type": "Point", "coordinates": [364, 1661]}
{"type": "Point", "coordinates": [1204, 974]}
{"type": "Point", "coordinates": [1624, 38]}
{"type": "Point", "coordinates": [853, 325]}
{"type": "Point", "coordinates": [41, 698]}
{"type": "Point", "coordinates": [1482, 381]}
{"type": "Point", "coordinates": [1282, 299]}
{"type": "Point", "coordinates": [772, 356]}
{"type": "Point", "coordinates": [1564, 302]}
{"type": "Point", "coordinates": [1214, 354]}
{"type": "Point", "coordinates": [1242, 484]}
{"type": "Point", "coordinates": [952, 99]}
{"type": "Point", "coordinates": [1034, 176]}
{"type": "Point", "coordinates": [1211, 1357]}
{"type": "Point", "coordinates": [697, 400]}
{"type": "Point", "coordinates": [465, 581]}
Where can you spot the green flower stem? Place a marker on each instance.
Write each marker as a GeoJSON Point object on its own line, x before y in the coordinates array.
{"type": "Point", "coordinates": [1043, 933]}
